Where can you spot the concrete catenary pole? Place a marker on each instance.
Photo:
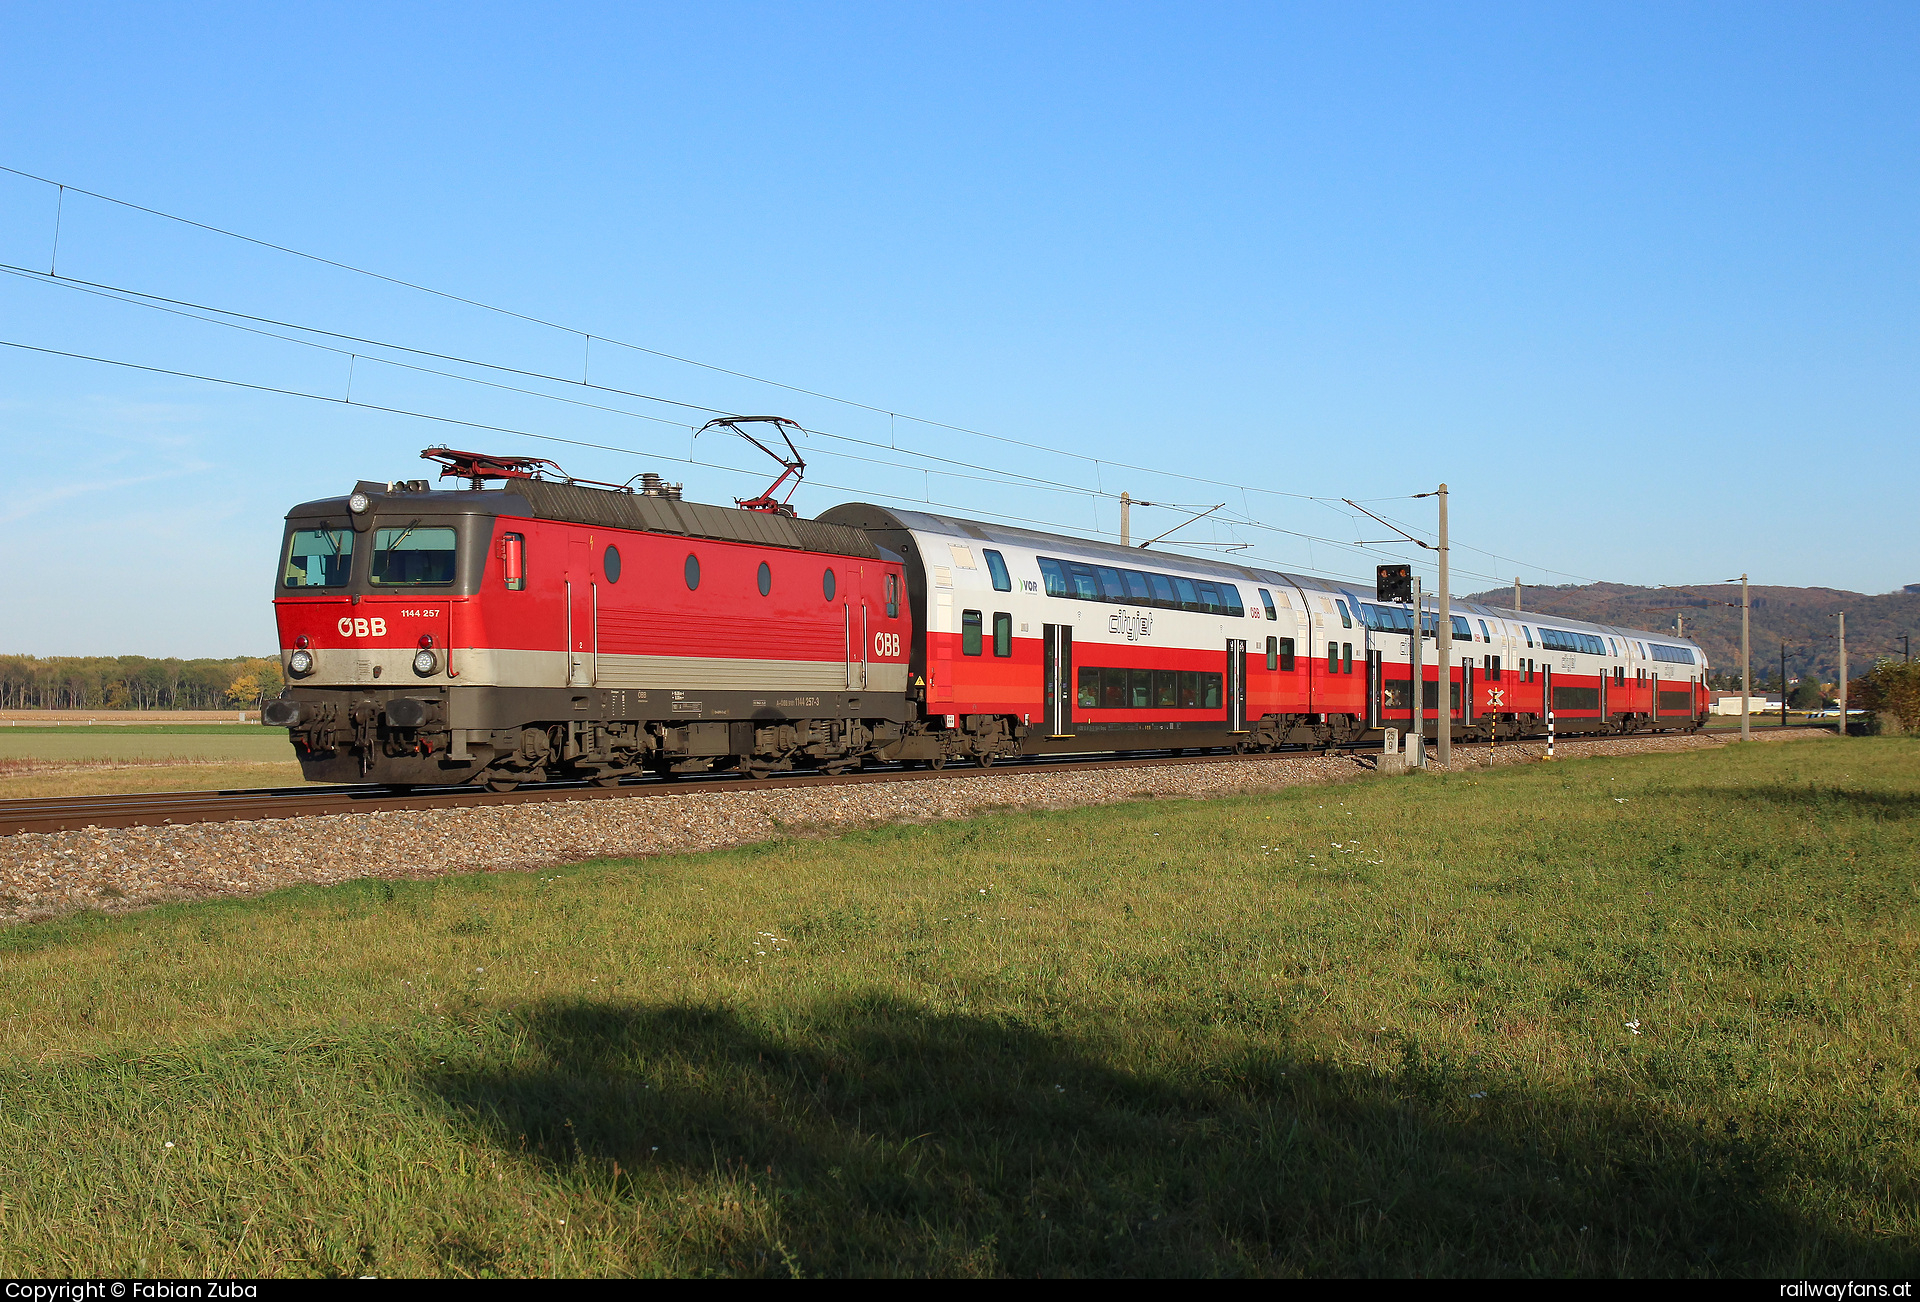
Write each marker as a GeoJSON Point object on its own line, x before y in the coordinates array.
{"type": "Point", "coordinates": [1516, 592]}
{"type": "Point", "coordinates": [1126, 503]}
{"type": "Point", "coordinates": [1843, 673]}
{"type": "Point", "coordinates": [1746, 665]}
{"type": "Point", "coordinates": [1419, 719]}
{"type": "Point", "coordinates": [1445, 641]}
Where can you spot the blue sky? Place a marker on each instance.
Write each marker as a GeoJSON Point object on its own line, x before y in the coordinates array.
{"type": "Point", "coordinates": [1638, 281]}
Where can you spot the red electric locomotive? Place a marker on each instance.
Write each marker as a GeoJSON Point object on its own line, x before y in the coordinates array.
{"type": "Point", "coordinates": [546, 629]}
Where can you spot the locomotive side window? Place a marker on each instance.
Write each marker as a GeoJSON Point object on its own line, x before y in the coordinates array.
{"type": "Point", "coordinates": [318, 558]}
{"type": "Point", "coordinates": [970, 632]}
{"type": "Point", "coordinates": [1273, 653]}
{"type": "Point", "coordinates": [610, 564]}
{"type": "Point", "coordinates": [997, 567]}
{"type": "Point", "coordinates": [513, 561]}
{"type": "Point", "coordinates": [1266, 599]}
{"type": "Point", "coordinates": [764, 578]}
{"type": "Point", "coordinates": [412, 557]}
{"type": "Point", "coordinates": [893, 594]}
{"type": "Point", "coordinates": [1002, 633]}
{"type": "Point", "coordinates": [692, 571]}
{"type": "Point", "coordinates": [826, 587]}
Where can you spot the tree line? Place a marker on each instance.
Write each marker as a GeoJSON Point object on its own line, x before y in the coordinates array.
{"type": "Point", "coordinates": [135, 682]}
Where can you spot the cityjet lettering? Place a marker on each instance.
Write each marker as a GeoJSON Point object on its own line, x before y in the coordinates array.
{"type": "Point", "coordinates": [1135, 625]}
{"type": "Point", "coordinates": [375, 627]}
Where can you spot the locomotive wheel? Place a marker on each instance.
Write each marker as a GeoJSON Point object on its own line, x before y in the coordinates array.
{"type": "Point", "coordinates": [607, 780]}
{"type": "Point", "coordinates": [502, 783]}
{"type": "Point", "coordinates": [937, 762]}
{"type": "Point", "coordinates": [985, 761]}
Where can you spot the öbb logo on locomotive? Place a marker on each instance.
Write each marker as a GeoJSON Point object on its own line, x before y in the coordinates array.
{"type": "Point", "coordinates": [831, 643]}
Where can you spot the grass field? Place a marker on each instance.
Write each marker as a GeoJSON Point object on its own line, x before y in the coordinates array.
{"type": "Point", "coordinates": [1649, 1015]}
{"type": "Point", "coordinates": [117, 759]}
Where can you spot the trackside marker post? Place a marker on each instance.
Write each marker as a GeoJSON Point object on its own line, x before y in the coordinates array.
{"type": "Point", "coordinates": [1549, 732]}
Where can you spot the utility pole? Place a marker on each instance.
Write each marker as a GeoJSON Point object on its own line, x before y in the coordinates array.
{"type": "Point", "coordinates": [1419, 671]}
{"type": "Point", "coordinates": [1746, 666]}
{"type": "Point", "coordinates": [1445, 641]}
{"type": "Point", "coordinates": [1906, 644]}
{"type": "Point", "coordinates": [1843, 673]}
{"type": "Point", "coordinates": [1126, 503]}
{"type": "Point", "coordinates": [1516, 592]}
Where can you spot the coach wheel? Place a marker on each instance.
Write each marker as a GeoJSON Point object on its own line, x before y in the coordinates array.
{"type": "Point", "coordinates": [607, 780]}
{"type": "Point", "coordinates": [985, 761]}
{"type": "Point", "coordinates": [502, 784]}
{"type": "Point", "coordinates": [937, 762]}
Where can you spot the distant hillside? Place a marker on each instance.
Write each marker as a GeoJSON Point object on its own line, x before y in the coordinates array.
{"type": "Point", "coordinates": [1801, 617]}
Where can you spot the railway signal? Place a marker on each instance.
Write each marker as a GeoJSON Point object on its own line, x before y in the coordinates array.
{"type": "Point", "coordinates": [1393, 583]}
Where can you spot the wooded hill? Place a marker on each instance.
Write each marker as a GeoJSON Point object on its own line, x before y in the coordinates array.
{"type": "Point", "coordinates": [1803, 618]}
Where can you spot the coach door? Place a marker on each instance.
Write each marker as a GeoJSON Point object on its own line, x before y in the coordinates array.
{"type": "Point", "coordinates": [1059, 679]}
{"type": "Point", "coordinates": [583, 614]}
{"type": "Point", "coordinates": [1237, 684]}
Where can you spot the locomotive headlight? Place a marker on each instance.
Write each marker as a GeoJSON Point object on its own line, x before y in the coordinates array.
{"type": "Point", "coordinates": [358, 503]}
{"type": "Point", "coordinates": [300, 663]}
{"type": "Point", "coordinates": [425, 663]}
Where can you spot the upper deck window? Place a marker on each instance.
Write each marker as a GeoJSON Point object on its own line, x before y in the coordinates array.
{"type": "Point", "coordinates": [318, 558]}
{"type": "Point", "coordinates": [413, 557]}
{"type": "Point", "coordinates": [997, 568]}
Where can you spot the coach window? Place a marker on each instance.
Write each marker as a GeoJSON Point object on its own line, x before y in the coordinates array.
{"type": "Point", "coordinates": [610, 564]}
{"type": "Point", "coordinates": [1333, 657]}
{"type": "Point", "coordinates": [1484, 635]}
{"type": "Point", "coordinates": [893, 595]}
{"type": "Point", "coordinates": [1235, 606]}
{"type": "Point", "coordinates": [1089, 696]}
{"type": "Point", "coordinates": [1346, 620]}
{"type": "Point", "coordinates": [1086, 584]}
{"type": "Point", "coordinates": [1286, 655]}
{"type": "Point", "coordinates": [1112, 586]}
{"type": "Point", "coordinates": [1185, 596]}
{"type": "Point", "coordinates": [1346, 657]}
{"type": "Point", "coordinates": [764, 578]}
{"type": "Point", "coordinates": [1002, 634]}
{"type": "Point", "coordinates": [827, 584]}
{"type": "Point", "coordinates": [1266, 599]}
{"type": "Point", "coordinates": [997, 568]}
{"type": "Point", "coordinates": [412, 558]}
{"type": "Point", "coordinates": [692, 571]}
{"type": "Point", "coordinates": [1053, 578]}
{"type": "Point", "coordinates": [1493, 669]}
{"type": "Point", "coordinates": [1163, 594]}
{"type": "Point", "coordinates": [1529, 633]}
{"type": "Point", "coordinates": [513, 561]}
{"type": "Point", "coordinates": [1137, 587]}
{"type": "Point", "coordinates": [970, 632]}
{"type": "Point", "coordinates": [1273, 654]}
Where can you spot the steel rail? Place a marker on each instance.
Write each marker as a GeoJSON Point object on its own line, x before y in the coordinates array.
{"type": "Point", "coordinates": [177, 808]}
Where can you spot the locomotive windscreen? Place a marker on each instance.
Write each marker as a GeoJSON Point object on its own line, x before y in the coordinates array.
{"type": "Point", "coordinates": [412, 557]}
{"type": "Point", "coordinates": [319, 558]}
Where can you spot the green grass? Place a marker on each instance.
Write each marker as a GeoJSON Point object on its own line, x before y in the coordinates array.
{"type": "Point", "coordinates": [1386, 1027]}
{"type": "Point", "coordinates": [232, 742]}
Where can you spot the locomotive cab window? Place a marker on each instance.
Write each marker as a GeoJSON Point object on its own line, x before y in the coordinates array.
{"type": "Point", "coordinates": [513, 561]}
{"type": "Point", "coordinates": [970, 632]}
{"type": "Point", "coordinates": [412, 557]}
{"type": "Point", "coordinates": [318, 558]}
{"type": "Point", "coordinates": [997, 567]}
{"type": "Point", "coordinates": [893, 594]}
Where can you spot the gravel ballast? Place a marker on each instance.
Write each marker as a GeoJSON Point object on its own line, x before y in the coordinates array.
{"type": "Point", "coordinates": [44, 875]}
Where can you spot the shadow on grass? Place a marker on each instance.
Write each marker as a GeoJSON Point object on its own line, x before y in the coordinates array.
{"type": "Point", "coordinates": [1814, 798]}
{"type": "Point", "coordinates": [879, 1138]}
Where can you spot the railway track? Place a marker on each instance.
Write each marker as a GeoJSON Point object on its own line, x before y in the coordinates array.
{"type": "Point", "coordinates": [173, 808]}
